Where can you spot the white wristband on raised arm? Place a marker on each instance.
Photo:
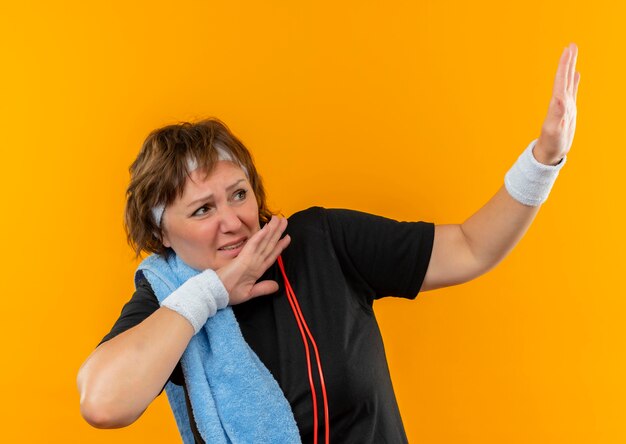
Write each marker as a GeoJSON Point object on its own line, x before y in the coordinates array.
{"type": "Point", "coordinates": [198, 299]}
{"type": "Point", "coordinates": [529, 181]}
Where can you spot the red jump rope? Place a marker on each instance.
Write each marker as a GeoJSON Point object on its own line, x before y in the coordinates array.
{"type": "Point", "coordinates": [302, 325]}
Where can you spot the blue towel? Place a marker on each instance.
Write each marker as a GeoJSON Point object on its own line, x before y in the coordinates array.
{"type": "Point", "coordinates": [234, 397]}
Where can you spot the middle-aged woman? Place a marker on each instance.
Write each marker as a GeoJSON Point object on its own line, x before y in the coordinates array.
{"type": "Point", "coordinates": [263, 332]}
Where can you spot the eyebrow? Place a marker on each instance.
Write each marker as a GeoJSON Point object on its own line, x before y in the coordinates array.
{"type": "Point", "coordinates": [210, 196]}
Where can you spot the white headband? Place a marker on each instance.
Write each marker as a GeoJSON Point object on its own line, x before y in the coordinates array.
{"type": "Point", "coordinates": [192, 164]}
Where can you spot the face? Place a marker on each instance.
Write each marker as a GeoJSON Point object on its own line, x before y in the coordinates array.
{"type": "Point", "coordinates": [208, 226]}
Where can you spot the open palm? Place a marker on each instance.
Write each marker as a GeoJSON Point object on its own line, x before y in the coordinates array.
{"type": "Point", "coordinates": [559, 126]}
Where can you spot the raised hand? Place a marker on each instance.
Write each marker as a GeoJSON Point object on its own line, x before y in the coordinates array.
{"type": "Point", "coordinates": [239, 276]}
{"type": "Point", "coordinates": [559, 126]}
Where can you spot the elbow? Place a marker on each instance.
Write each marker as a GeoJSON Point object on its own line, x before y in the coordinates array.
{"type": "Point", "coordinates": [102, 415]}
{"type": "Point", "coordinates": [98, 407]}
{"type": "Point", "coordinates": [99, 417]}
{"type": "Point", "coordinates": [478, 261]}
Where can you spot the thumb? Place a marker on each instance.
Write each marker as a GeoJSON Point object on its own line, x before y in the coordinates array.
{"type": "Point", "coordinates": [263, 288]}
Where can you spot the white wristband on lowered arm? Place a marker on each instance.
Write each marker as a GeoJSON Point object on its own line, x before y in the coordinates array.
{"type": "Point", "coordinates": [529, 181]}
{"type": "Point", "coordinates": [198, 298]}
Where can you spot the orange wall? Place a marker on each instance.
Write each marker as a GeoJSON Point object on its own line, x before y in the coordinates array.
{"type": "Point", "coordinates": [413, 110]}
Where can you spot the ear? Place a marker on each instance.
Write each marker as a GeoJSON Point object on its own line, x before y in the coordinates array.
{"type": "Point", "coordinates": [165, 240]}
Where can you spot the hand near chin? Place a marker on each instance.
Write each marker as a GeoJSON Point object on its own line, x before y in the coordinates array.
{"type": "Point", "coordinates": [260, 252]}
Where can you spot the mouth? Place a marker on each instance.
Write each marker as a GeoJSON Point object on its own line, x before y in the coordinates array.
{"type": "Point", "coordinates": [234, 245]}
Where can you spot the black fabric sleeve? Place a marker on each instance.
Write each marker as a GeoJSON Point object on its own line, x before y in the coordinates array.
{"type": "Point", "coordinates": [141, 305]}
{"type": "Point", "coordinates": [390, 256]}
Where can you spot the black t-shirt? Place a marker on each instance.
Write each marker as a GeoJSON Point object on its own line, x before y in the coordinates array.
{"type": "Point", "coordinates": [338, 263]}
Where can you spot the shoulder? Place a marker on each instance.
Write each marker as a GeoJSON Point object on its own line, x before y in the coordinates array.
{"type": "Point", "coordinates": [322, 221]}
{"type": "Point", "coordinates": [141, 305]}
{"type": "Point", "coordinates": [317, 215]}
{"type": "Point", "coordinates": [340, 223]}
{"type": "Point", "coordinates": [154, 262]}
{"type": "Point", "coordinates": [310, 219]}
{"type": "Point", "coordinates": [307, 215]}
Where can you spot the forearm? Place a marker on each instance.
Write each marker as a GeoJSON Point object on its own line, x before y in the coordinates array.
{"type": "Point", "coordinates": [497, 227]}
{"type": "Point", "coordinates": [465, 251]}
{"type": "Point", "coordinates": [123, 375]}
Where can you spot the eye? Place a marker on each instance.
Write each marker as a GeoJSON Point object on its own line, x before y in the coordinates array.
{"type": "Point", "coordinates": [240, 194]}
{"type": "Point", "coordinates": [204, 209]}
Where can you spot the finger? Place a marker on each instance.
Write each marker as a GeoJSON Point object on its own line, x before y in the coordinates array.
{"type": "Point", "coordinates": [273, 254]}
{"type": "Point", "coordinates": [561, 73]}
{"type": "Point", "coordinates": [263, 288]}
{"type": "Point", "coordinates": [273, 236]}
{"type": "Point", "coordinates": [259, 239]}
{"type": "Point", "coordinates": [272, 226]}
{"type": "Point", "coordinates": [572, 67]}
{"type": "Point", "coordinates": [280, 247]}
{"type": "Point", "coordinates": [278, 232]}
{"type": "Point", "coordinates": [576, 82]}
{"type": "Point", "coordinates": [568, 68]}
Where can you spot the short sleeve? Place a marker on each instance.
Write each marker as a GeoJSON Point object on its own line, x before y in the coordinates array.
{"type": "Point", "coordinates": [141, 305]}
{"type": "Point", "coordinates": [390, 256]}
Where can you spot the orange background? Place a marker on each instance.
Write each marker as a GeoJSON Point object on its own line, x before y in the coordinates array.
{"type": "Point", "coordinates": [410, 109]}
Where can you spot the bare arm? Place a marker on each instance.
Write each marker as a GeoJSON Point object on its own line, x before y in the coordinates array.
{"type": "Point", "coordinates": [465, 251]}
{"type": "Point", "coordinates": [122, 376]}
{"type": "Point", "coordinates": [497, 226]}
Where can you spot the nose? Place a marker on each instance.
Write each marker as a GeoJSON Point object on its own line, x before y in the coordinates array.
{"type": "Point", "coordinates": [229, 220]}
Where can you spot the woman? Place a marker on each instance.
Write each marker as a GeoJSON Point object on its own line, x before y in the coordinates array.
{"type": "Point", "coordinates": [258, 342]}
